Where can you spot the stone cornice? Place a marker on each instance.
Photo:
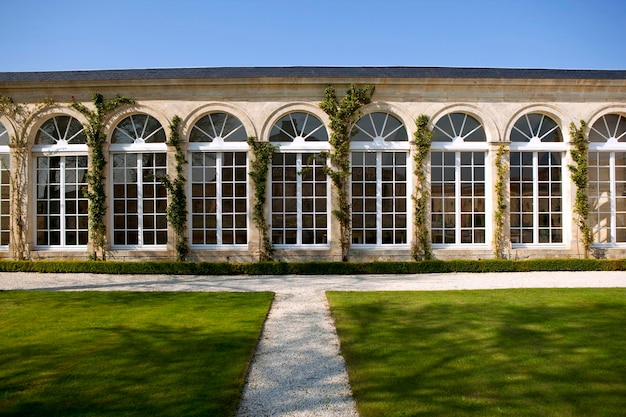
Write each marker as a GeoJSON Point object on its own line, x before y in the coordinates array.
{"type": "Point", "coordinates": [268, 83]}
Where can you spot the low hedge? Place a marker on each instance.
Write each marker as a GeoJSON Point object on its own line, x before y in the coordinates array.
{"type": "Point", "coordinates": [312, 268]}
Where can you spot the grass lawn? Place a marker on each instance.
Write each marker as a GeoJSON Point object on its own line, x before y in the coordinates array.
{"type": "Point", "coordinates": [126, 354]}
{"type": "Point", "coordinates": [527, 352]}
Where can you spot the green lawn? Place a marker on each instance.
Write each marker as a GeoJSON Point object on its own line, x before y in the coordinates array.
{"type": "Point", "coordinates": [527, 352]}
{"type": "Point", "coordinates": [126, 354]}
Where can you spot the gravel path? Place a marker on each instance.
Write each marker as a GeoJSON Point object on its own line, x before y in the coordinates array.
{"type": "Point", "coordinates": [297, 369]}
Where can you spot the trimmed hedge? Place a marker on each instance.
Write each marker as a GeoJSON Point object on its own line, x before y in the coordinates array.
{"type": "Point", "coordinates": [312, 268]}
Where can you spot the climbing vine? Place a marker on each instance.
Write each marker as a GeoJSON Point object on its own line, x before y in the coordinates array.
{"type": "Point", "coordinates": [177, 207]}
{"type": "Point", "coordinates": [502, 169]}
{"type": "Point", "coordinates": [259, 169]}
{"type": "Point", "coordinates": [21, 117]}
{"type": "Point", "coordinates": [94, 130]}
{"type": "Point", "coordinates": [580, 176]}
{"type": "Point", "coordinates": [421, 248]}
{"type": "Point", "coordinates": [343, 114]}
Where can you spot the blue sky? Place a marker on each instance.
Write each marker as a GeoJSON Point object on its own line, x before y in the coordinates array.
{"type": "Point", "coordinates": [44, 35]}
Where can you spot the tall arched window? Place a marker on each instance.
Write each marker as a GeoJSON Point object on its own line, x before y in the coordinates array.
{"type": "Point", "coordinates": [458, 153]}
{"type": "Point", "coordinates": [60, 152]}
{"type": "Point", "coordinates": [219, 181]}
{"type": "Point", "coordinates": [536, 180]}
{"type": "Point", "coordinates": [5, 188]}
{"type": "Point", "coordinates": [379, 152]}
{"type": "Point", "coordinates": [139, 161]}
{"type": "Point", "coordinates": [607, 179]}
{"type": "Point", "coordinates": [299, 187]}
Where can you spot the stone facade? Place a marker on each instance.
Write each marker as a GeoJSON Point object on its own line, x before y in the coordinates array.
{"type": "Point", "coordinates": [261, 97]}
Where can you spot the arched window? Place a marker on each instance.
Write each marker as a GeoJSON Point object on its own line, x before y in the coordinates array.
{"type": "Point", "coordinates": [218, 127]}
{"type": "Point", "coordinates": [607, 179]}
{"type": "Point", "coordinates": [458, 154]}
{"type": "Point", "coordinates": [536, 180]}
{"type": "Point", "coordinates": [139, 162]}
{"type": "Point", "coordinates": [60, 152]}
{"type": "Point", "coordinates": [5, 188]}
{"type": "Point", "coordinates": [379, 156]}
{"type": "Point", "coordinates": [138, 129]}
{"type": "Point", "coordinates": [299, 187]}
{"type": "Point", "coordinates": [219, 181]}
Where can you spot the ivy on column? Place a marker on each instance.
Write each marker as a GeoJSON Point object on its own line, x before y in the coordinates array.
{"type": "Point", "coordinates": [94, 130]}
{"type": "Point", "coordinates": [259, 169]}
{"type": "Point", "coordinates": [177, 207]}
{"type": "Point", "coordinates": [21, 117]}
{"type": "Point", "coordinates": [343, 114]}
{"type": "Point", "coordinates": [500, 206]}
{"type": "Point", "coordinates": [421, 248]}
{"type": "Point", "coordinates": [580, 177]}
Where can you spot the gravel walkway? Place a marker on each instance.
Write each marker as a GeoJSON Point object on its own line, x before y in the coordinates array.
{"type": "Point", "coordinates": [297, 369]}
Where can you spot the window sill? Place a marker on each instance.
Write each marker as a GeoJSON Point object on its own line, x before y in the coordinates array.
{"type": "Point", "coordinates": [460, 246]}
{"type": "Point", "coordinates": [219, 247]}
{"type": "Point", "coordinates": [81, 248]}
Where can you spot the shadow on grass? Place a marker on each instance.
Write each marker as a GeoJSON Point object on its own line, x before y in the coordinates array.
{"type": "Point", "coordinates": [492, 353]}
{"type": "Point", "coordinates": [129, 367]}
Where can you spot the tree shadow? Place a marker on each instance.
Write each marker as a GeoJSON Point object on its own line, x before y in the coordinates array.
{"type": "Point", "coordinates": [485, 358]}
{"type": "Point", "coordinates": [132, 367]}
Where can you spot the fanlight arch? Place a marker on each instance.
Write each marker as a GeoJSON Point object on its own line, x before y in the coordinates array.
{"type": "Point", "coordinates": [61, 130]}
{"type": "Point", "coordinates": [379, 127]}
{"type": "Point", "coordinates": [458, 127]}
{"type": "Point", "coordinates": [610, 129]}
{"type": "Point", "coordinates": [218, 127]}
{"type": "Point", "coordinates": [138, 129]}
{"type": "Point", "coordinates": [535, 128]}
{"type": "Point", "coordinates": [298, 127]}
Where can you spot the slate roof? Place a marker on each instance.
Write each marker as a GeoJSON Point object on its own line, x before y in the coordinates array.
{"type": "Point", "coordinates": [310, 72]}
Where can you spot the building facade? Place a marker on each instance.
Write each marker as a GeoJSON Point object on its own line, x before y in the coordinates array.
{"type": "Point", "coordinates": [472, 113]}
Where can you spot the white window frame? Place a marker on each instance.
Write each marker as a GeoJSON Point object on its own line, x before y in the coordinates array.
{"type": "Point", "coordinates": [218, 144]}
{"type": "Point", "coordinates": [219, 198]}
{"type": "Point", "coordinates": [534, 146]}
{"type": "Point", "coordinates": [380, 145]}
{"type": "Point", "coordinates": [614, 143]}
{"type": "Point", "coordinates": [139, 199]}
{"type": "Point", "coordinates": [458, 145]}
{"type": "Point", "coordinates": [139, 147]}
{"type": "Point", "coordinates": [5, 187]}
{"type": "Point", "coordinates": [61, 148]}
{"type": "Point", "coordinates": [299, 146]}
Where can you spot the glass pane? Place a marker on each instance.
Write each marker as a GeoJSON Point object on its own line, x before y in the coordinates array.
{"type": "Point", "coordinates": [218, 125]}
{"type": "Point", "coordinates": [298, 125]}
{"type": "Point", "coordinates": [379, 125]}
{"type": "Point", "coordinates": [459, 126]}
{"type": "Point", "coordinates": [4, 138]}
{"type": "Point", "coordinates": [138, 128]}
{"type": "Point", "coordinates": [536, 126]}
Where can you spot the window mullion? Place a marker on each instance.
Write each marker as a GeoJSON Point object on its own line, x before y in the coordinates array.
{"type": "Point", "coordinates": [139, 199]}
{"type": "Point", "coordinates": [219, 164]}
{"type": "Point", "coordinates": [329, 198]}
{"type": "Point", "coordinates": [535, 197]}
{"type": "Point", "coordinates": [62, 200]}
{"type": "Point", "coordinates": [612, 198]}
{"type": "Point", "coordinates": [299, 199]}
{"type": "Point", "coordinates": [457, 197]}
{"type": "Point", "coordinates": [379, 198]}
